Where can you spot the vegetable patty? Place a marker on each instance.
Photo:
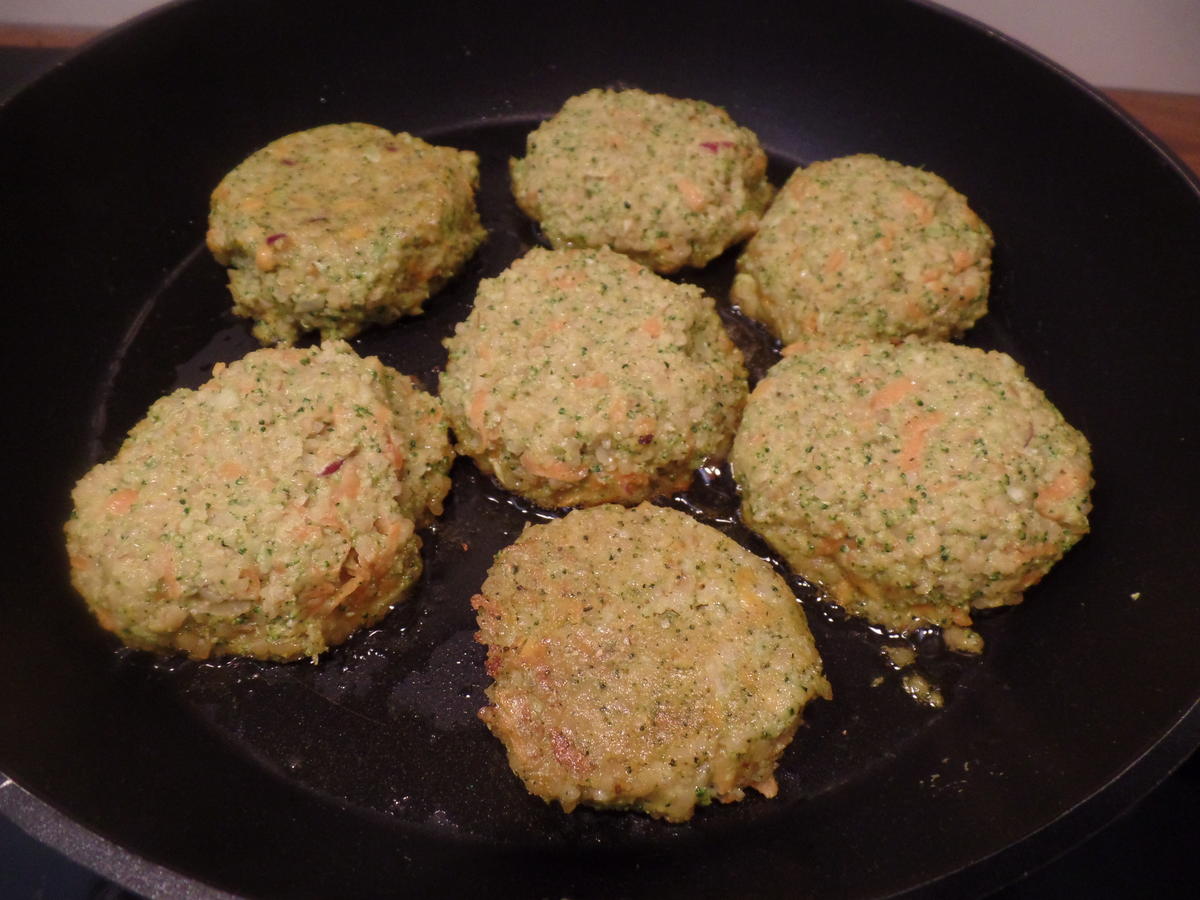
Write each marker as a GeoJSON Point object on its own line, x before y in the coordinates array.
{"type": "Point", "coordinates": [581, 377]}
{"type": "Point", "coordinates": [269, 513]}
{"type": "Point", "coordinates": [342, 226]}
{"type": "Point", "coordinates": [669, 182]}
{"type": "Point", "coordinates": [642, 660]}
{"type": "Point", "coordinates": [863, 247]}
{"type": "Point", "coordinates": [915, 482]}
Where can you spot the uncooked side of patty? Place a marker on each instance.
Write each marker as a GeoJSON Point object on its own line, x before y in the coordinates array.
{"type": "Point", "coordinates": [915, 482]}
{"type": "Point", "coordinates": [269, 513]}
{"type": "Point", "coordinates": [581, 377]}
{"type": "Point", "coordinates": [863, 247]}
{"type": "Point", "coordinates": [342, 226]}
{"type": "Point", "coordinates": [666, 181]}
{"type": "Point", "coordinates": [642, 660]}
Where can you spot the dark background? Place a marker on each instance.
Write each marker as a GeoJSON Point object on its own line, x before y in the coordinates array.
{"type": "Point", "coordinates": [1149, 852]}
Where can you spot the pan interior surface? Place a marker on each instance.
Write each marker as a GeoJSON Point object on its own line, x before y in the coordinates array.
{"type": "Point", "coordinates": [369, 771]}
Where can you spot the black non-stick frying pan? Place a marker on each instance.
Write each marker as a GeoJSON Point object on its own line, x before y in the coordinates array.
{"type": "Point", "coordinates": [368, 773]}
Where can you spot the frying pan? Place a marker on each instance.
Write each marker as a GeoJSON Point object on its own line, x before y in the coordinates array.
{"type": "Point", "coordinates": [367, 774]}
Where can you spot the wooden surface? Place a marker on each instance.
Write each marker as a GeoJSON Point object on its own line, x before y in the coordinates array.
{"type": "Point", "coordinates": [44, 35]}
{"type": "Point", "coordinates": [1174, 118]}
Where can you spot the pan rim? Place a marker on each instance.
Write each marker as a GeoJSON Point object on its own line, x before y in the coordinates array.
{"type": "Point", "coordinates": [1140, 775]}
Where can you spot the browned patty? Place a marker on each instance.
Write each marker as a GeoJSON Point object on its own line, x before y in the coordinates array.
{"type": "Point", "coordinates": [642, 660]}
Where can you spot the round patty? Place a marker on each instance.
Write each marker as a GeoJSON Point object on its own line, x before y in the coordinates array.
{"type": "Point", "coordinates": [862, 247]}
{"type": "Point", "coordinates": [342, 226]}
{"type": "Point", "coordinates": [642, 660]}
{"type": "Point", "coordinates": [269, 513]}
{"type": "Point", "coordinates": [581, 377]}
{"type": "Point", "coordinates": [669, 182]}
{"type": "Point", "coordinates": [915, 482]}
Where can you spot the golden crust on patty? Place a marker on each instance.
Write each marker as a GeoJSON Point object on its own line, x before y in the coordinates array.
{"type": "Point", "coordinates": [669, 182]}
{"type": "Point", "coordinates": [581, 377]}
{"type": "Point", "coordinates": [916, 482]}
{"type": "Point", "coordinates": [269, 513]}
{"type": "Point", "coordinates": [865, 248]}
{"type": "Point", "coordinates": [642, 660]}
{"type": "Point", "coordinates": [342, 226]}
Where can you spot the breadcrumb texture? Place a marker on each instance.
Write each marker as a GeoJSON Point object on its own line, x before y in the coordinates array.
{"type": "Point", "coordinates": [342, 226]}
{"type": "Point", "coordinates": [642, 660]}
{"type": "Point", "coordinates": [669, 182]}
{"type": "Point", "coordinates": [269, 513]}
{"type": "Point", "coordinates": [915, 482]}
{"type": "Point", "coordinates": [581, 377]}
{"type": "Point", "coordinates": [863, 247]}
